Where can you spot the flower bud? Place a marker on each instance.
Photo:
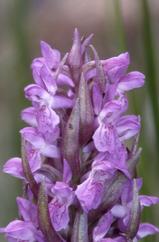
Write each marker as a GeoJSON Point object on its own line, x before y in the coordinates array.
{"type": "Point", "coordinates": [85, 43]}
{"type": "Point", "coordinates": [71, 139]}
{"type": "Point", "coordinates": [86, 112]}
{"type": "Point", "coordinates": [74, 58]}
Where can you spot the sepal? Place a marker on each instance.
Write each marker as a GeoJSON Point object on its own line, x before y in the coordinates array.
{"type": "Point", "coordinates": [80, 228]}
{"type": "Point", "coordinates": [44, 217]}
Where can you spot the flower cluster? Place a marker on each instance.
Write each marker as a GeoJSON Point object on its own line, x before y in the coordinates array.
{"type": "Point", "coordinates": [80, 151]}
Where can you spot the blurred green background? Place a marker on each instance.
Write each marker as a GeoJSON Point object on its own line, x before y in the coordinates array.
{"type": "Point", "coordinates": [126, 25]}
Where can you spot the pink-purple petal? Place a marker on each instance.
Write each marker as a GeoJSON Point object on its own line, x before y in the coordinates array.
{"type": "Point", "coordinates": [63, 197]}
{"type": "Point", "coordinates": [90, 192]}
{"type": "Point", "coordinates": [31, 135]}
{"type": "Point", "coordinates": [61, 102]}
{"type": "Point", "coordinates": [52, 56]}
{"type": "Point", "coordinates": [128, 126]}
{"type": "Point", "coordinates": [102, 227]}
{"type": "Point", "coordinates": [105, 138]}
{"type": "Point", "coordinates": [38, 95]}
{"type": "Point", "coordinates": [18, 229]}
{"type": "Point", "coordinates": [51, 151]}
{"type": "Point", "coordinates": [27, 210]}
{"type": "Point", "coordinates": [36, 67]}
{"type": "Point", "coordinates": [148, 201]}
{"type": "Point", "coordinates": [29, 116]}
{"type": "Point", "coordinates": [116, 67]}
{"type": "Point", "coordinates": [14, 167]}
{"type": "Point", "coordinates": [48, 121]}
{"type": "Point", "coordinates": [130, 81]}
{"type": "Point", "coordinates": [146, 229]}
{"type": "Point", "coordinates": [63, 79]}
{"type": "Point", "coordinates": [48, 79]}
{"type": "Point", "coordinates": [118, 211]}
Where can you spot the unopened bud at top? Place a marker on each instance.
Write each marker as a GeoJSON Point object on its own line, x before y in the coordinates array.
{"type": "Point", "coordinates": [74, 58]}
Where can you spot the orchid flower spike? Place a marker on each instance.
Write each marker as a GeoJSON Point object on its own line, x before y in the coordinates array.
{"type": "Point", "coordinates": [78, 173]}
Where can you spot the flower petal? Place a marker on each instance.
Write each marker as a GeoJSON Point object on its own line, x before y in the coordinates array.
{"type": "Point", "coordinates": [29, 116]}
{"type": "Point", "coordinates": [31, 135]}
{"type": "Point", "coordinates": [38, 95]}
{"type": "Point", "coordinates": [118, 211]}
{"type": "Point", "coordinates": [90, 192]}
{"type": "Point", "coordinates": [27, 210]}
{"type": "Point", "coordinates": [105, 138]}
{"type": "Point", "coordinates": [51, 151]}
{"type": "Point", "coordinates": [48, 79]}
{"type": "Point", "coordinates": [18, 229]}
{"type": "Point", "coordinates": [36, 67]}
{"type": "Point", "coordinates": [112, 110]}
{"type": "Point", "coordinates": [62, 102]}
{"type": "Point", "coordinates": [63, 79]}
{"type": "Point", "coordinates": [102, 227]}
{"type": "Point", "coordinates": [48, 121]}
{"type": "Point", "coordinates": [148, 201]}
{"type": "Point", "coordinates": [128, 126]}
{"type": "Point", "coordinates": [14, 167]}
{"type": "Point", "coordinates": [116, 67]}
{"type": "Point", "coordinates": [130, 81]}
{"type": "Point", "coordinates": [116, 239]}
{"type": "Point", "coordinates": [63, 197]}
{"type": "Point", "coordinates": [146, 229]}
{"type": "Point", "coordinates": [33, 156]}
{"type": "Point", "coordinates": [51, 56]}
